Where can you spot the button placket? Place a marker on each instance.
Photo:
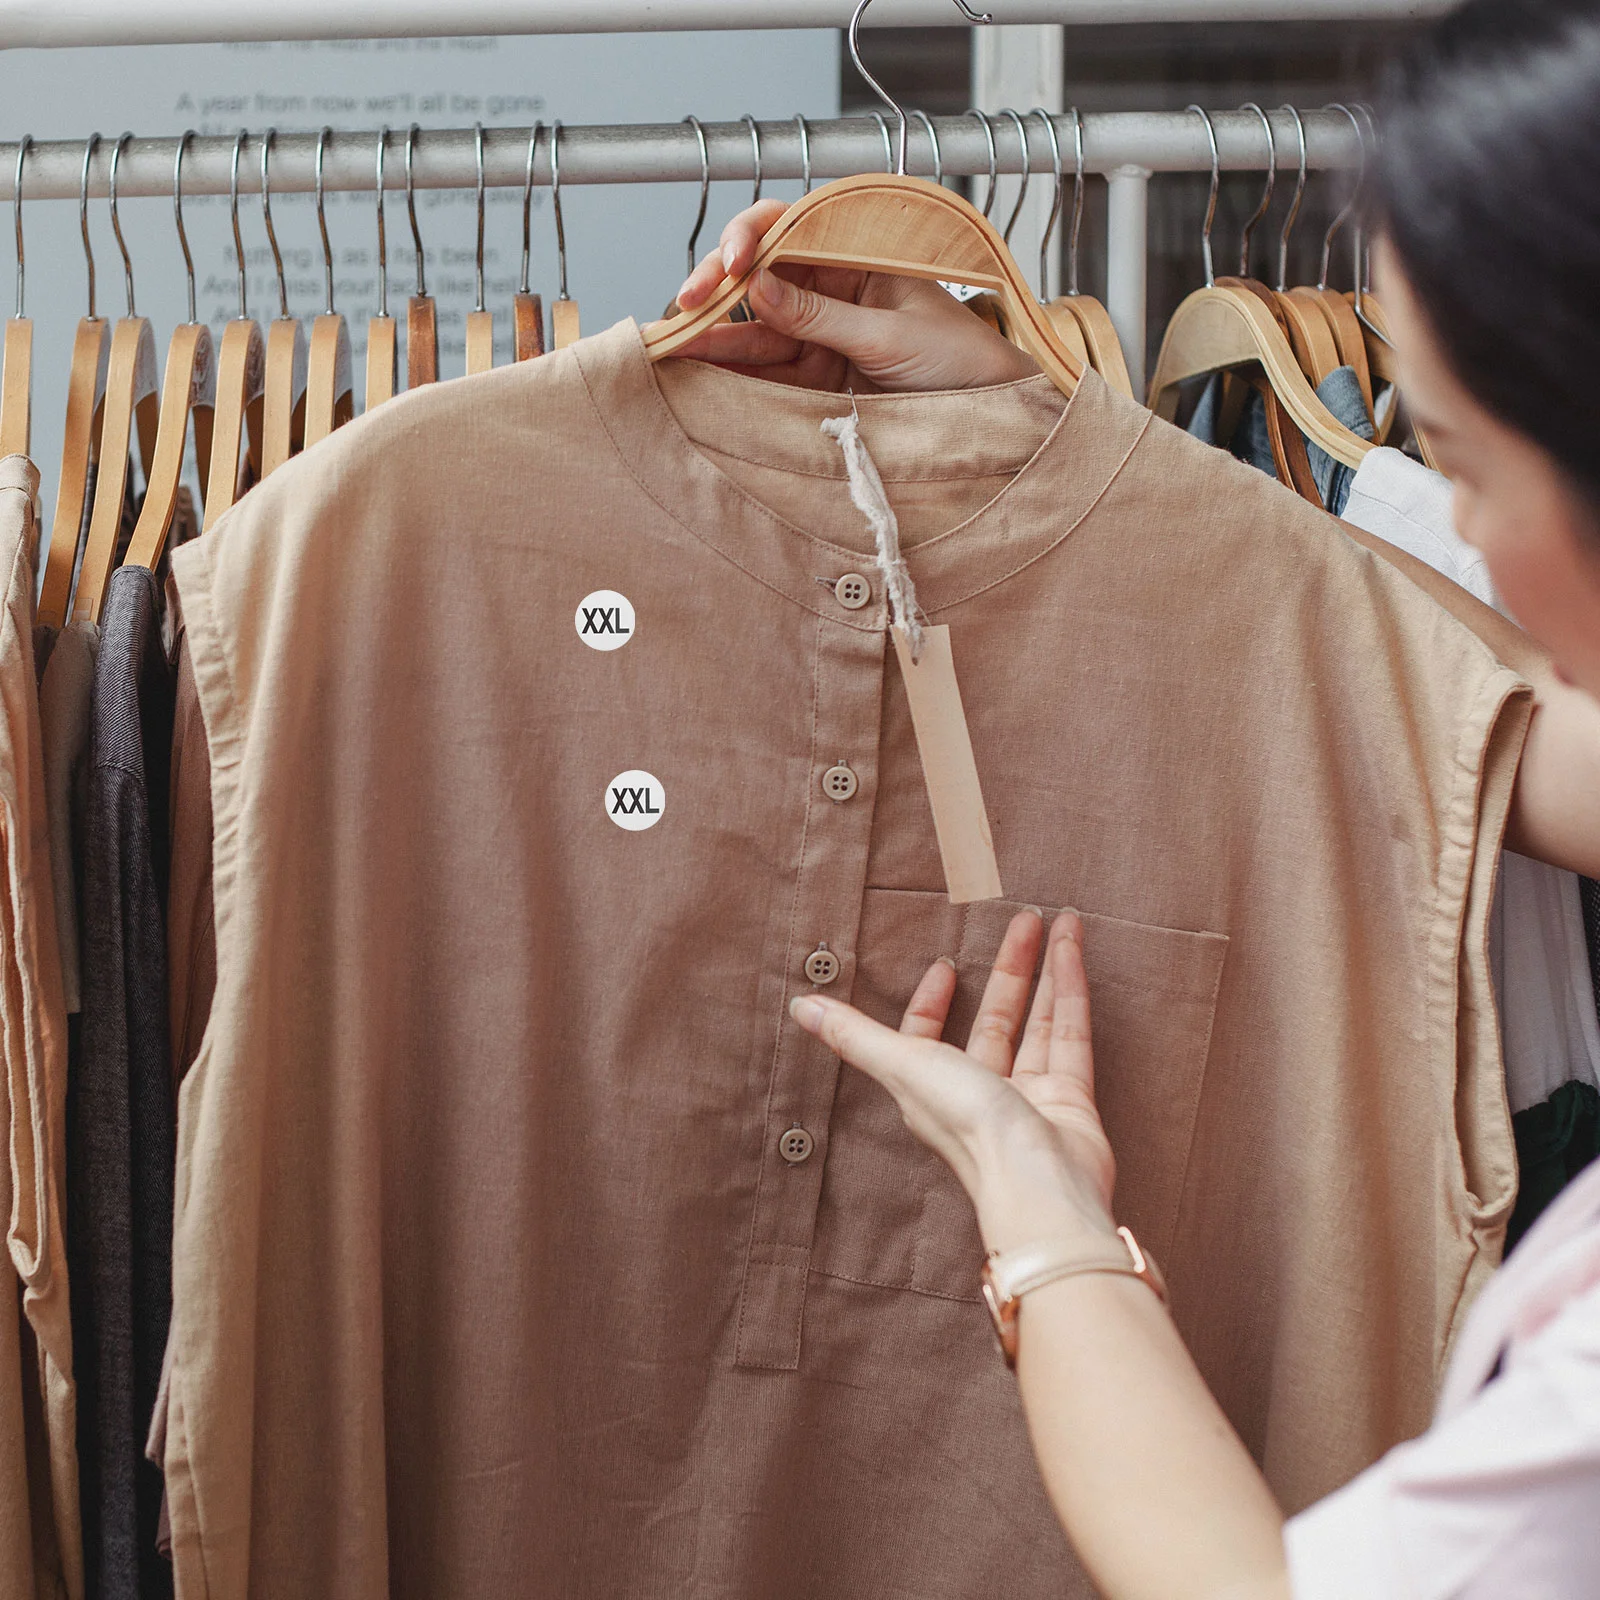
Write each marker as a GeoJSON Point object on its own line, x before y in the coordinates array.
{"type": "Point", "coordinates": [821, 918]}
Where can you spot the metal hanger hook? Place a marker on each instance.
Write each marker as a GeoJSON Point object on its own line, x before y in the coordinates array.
{"type": "Point", "coordinates": [322, 225]}
{"type": "Point", "coordinates": [1294, 205]}
{"type": "Point", "coordinates": [1055, 208]}
{"type": "Point", "coordinates": [89, 147]}
{"type": "Point", "coordinates": [383, 234]}
{"type": "Point", "coordinates": [755, 156]}
{"type": "Point", "coordinates": [1077, 201]}
{"type": "Point", "coordinates": [1363, 260]}
{"type": "Point", "coordinates": [933, 142]}
{"type": "Point", "coordinates": [1216, 184]}
{"type": "Point", "coordinates": [853, 37]}
{"type": "Point", "coordinates": [994, 158]}
{"type": "Point", "coordinates": [527, 203]}
{"type": "Point", "coordinates": [24, 144]}
{"type": "Point", "coordinates": [266, 216]}
{"type": "Point", "coordinates": [1027, 171]}
{"type": "Point", "coordinates": [233, 216]}
{"type": "Point", "coordinates": [477, 139]}
{"type": "Point", "coordinates": [1350, 204]}
{"type": "Point", "coordinates": [705, 186]}
{"type": "Point", "coordinates": [116, 221]}
{"type": "Point", "coordinates": [555, 201]}
{"type": "Point", "coordinates": [1266, 197]}
{"type": "Point", "coordinates": [177, 216]}
{"type": "Point", "coordinates": [888, 142]}
{"type": "Point", "coordinates": [805, 153]}
{"type": "Point", "coordinates": [411, 211]}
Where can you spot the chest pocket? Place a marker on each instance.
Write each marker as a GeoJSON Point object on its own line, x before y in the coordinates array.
{"type": "Point", "coordinates": [891, 1212]}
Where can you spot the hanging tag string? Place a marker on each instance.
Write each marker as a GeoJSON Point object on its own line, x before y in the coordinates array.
{"type": "Point", "coordinates": [872, 501]}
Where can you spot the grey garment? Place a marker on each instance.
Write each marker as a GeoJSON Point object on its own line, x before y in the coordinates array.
{"type": "Point", "coordinates": [121, 1122]}
{"type": "Point", "coordinates": [1340, 392]}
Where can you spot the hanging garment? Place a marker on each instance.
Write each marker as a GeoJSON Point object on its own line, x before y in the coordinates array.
{"type": "Point", "coordinates": [1538, 948]}
{"type": "Point", "coordinates": [33, 1027]}
{"type": "Point", "coordinates": [525, 1246]}
{"type": "Point", "coordinates": [121, 1124]}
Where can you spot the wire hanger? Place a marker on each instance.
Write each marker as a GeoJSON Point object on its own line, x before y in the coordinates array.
{"type": "Point", "coordinates": [131, 407]}
{"type": "Point", "coordinates": [480, 320]}
{"type": "Point", "coordinates": [383, 339]}
{"type": "Point", "coordinates": [283, 406]}
{"type": "Point", "coordinates": [16, 366]}
{"type": "Point", "coordinates": [1226, 325]}
{"type": "Point", "coordinates": [890, 223]}
{"type": "Point", "coordinates": [330, 386]}
{"type": "Point", "coordinates": [705, 195]}
{"type": "Point", "coordinates": [564, 320]}
{"type": "Point", "coordinates": [188, 392]}
{"type": "Point", "coordinates": [241, 381]}
{"type": "Point", "coordinates": [422, 316]}
{"type": "Point", "coordinates": [527, 309]}
{"type": "Point", "coordinates": [80, 441]}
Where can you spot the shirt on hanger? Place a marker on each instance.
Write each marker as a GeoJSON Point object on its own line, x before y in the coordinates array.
{"type": "Point", "coordinates": [523, 1243]}
{"type": "Point", "coordinates": [33, 1027]}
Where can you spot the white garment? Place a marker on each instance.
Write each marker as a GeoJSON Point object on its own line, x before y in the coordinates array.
{"type": "Point", "coordinates": [1537, 947]}
{"type": "Point", "coordinates": [1500, 1499]}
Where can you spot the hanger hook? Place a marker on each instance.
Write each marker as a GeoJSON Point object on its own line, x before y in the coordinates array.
{"type": "Point", "coordinates": [853, 37]}
{"type": "Point", "coordinates": [994, 158]}
{"type": "Point", "coordinates": [24, 144]}
{"type": "Point", "coordinates": [383, 235]}
{"type": "Point", "coordinates": [1266, 197]}
{"type": "Point", "coordinates": [933, 141]}
{"type": "Point", "coordinates": [322, 225]}
{"type": "Point", "coordinates": [527, 202]}
{"type": "Point", "coordinates": [888, 142]}
{"type": "Point", "coordinates": [89, 147]}
{"type": "Point", "coordinates": [705, 186]}
{"type": "Point", "coordinates": [1077, 201]}
{"type": "Point", "coordinates": [1350, 204]}
{"type": "Point", "coordinates": [233, 216]}
{"type": "Point", "coordinates": [1027, 171]}
{"type": "Point", "coordinates": [1363, 264]}
{"type": "Point", "coordinates": [755, 155]}
{"type": "Point", "coordinates": [116, 221]}
{"type": "Point", "coordinates": [1055, 208]}
{"type": "Point", "coordinates": [411, 210]}
{"type": "Point", "coordinates": [1216, 184]}
{"type": "Point", "coordinates": [555, 201]}
{"type": "Point", "coordinates": [477, 138]}
{"type": "Point", "coordinates": [177, 213]}
{"type": "Point", "coordinates": [266, 216]}
{"type": "Point", "coordinates": [1294, 205]}
{"type": "Point", "coordinates": [805, 152]}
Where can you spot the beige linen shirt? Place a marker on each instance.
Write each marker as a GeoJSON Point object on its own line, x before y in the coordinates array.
{"type": "Point", "coordinates": [493, 1273]}
{"type": "Point", "coordinates": [33, 1027]}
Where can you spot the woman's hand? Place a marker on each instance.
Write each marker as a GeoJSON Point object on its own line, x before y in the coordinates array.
{"type": "Point", "coordinates": [831, 328]}
{"type": "Point", "coordinates": [1015, 1119]}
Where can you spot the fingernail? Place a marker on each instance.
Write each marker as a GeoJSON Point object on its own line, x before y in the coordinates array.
{"type": "Point", "coordinates": [807, 1010]}
{"type": "Point", "coordinates": [946, 961]}
{"type": "Point", "coordinates": [1038, 911]}
{"type": "Point", "coordinates": [768, 286]}
{"type": "Point", "coordinates": [730, 254]}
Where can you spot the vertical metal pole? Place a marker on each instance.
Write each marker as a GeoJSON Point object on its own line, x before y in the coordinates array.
{"type": "Point", "coordinates": [1127, 264]}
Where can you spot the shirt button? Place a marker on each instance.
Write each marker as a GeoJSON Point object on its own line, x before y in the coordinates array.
{"type": "Point", "coordinates": [795, 1145]}
{"type": "Point", "coordinates": [839, 783]}
{"type": "Point", "coordinates": [822, 965]}
{"type": "Point", "coordinates": [852, 591]}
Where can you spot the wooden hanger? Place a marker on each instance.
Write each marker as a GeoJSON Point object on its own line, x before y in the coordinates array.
{"type": "Point", "coordinates": [16, 366]}
{"type": "Point", "coordinates": [330, 388]}
{"type": "Point", "coordinates": [188, 392]}
{"type": "Point", "coordinates": [422, 316]}
{"type": "Point", "coordinates": [383, 357]}
{"type": "Point", "coordinates": [132, 406]}
{"type": "Point", "coordinates": [480, 320]}
{"type": "Point", "coordinates": [527, 310]}
{"type": "Point", "coordinates": [1303, 318]}
{"type": "Point", "coordinates": [564, 320]}
{"type": "Point", "coordinates": [284, 400]}
{"type": "Point", "coordinates": [241, 385]}
{"type": "Point", "coordinates": [1384, 365]}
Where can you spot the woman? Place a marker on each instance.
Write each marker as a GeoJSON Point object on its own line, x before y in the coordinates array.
{"type": "Point", "coordinates": [1490, 272]}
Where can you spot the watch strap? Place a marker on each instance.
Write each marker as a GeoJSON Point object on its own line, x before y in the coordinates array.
{"type": "Point", "coordinates": [1014, 1273]}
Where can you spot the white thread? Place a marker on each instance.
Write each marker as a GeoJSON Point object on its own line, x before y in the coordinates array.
{"type": "Point", "coordinates": [872, 501]}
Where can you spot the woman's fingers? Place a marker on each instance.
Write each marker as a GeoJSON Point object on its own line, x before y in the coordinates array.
{"type": "Point", "coordinates": [741, 239]}
{"type": "Point", "coordinates": [744, 344]}
{"type": "Point", "coordinates": [1005, 996]}
{"type": "Point", "coordinates": [1071, 1056]}
{"type": "Point", "coordinates": [930, 1006]}
{"type": "Point", "coordinates": [1033, 1050]}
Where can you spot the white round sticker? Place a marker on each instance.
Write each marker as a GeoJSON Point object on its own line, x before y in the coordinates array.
{"type": "Point", "coordinates": [635, 800]}
{"type": "Point", "coordinates": [604, 620]}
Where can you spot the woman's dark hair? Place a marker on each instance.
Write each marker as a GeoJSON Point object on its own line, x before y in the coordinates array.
{"type": "Point", "coordinates": [1489, 184]}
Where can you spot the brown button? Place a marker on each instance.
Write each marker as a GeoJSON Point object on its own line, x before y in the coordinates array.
{"type": "Point", "coordinates": [839, 783]}
{"type": "Point", "coordinates": [822, 965]}
{"type": "Point", "coordinates": [795, 1145]}
{"type": "Point", "coordinates": [852, 591]}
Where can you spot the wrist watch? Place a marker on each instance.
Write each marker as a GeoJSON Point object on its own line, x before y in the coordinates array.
{"type": "Point", "coordinates": [1009, 1276]}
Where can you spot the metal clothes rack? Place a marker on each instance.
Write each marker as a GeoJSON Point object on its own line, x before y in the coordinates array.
{"type": "Point", "coordinates": [1124, 147]}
